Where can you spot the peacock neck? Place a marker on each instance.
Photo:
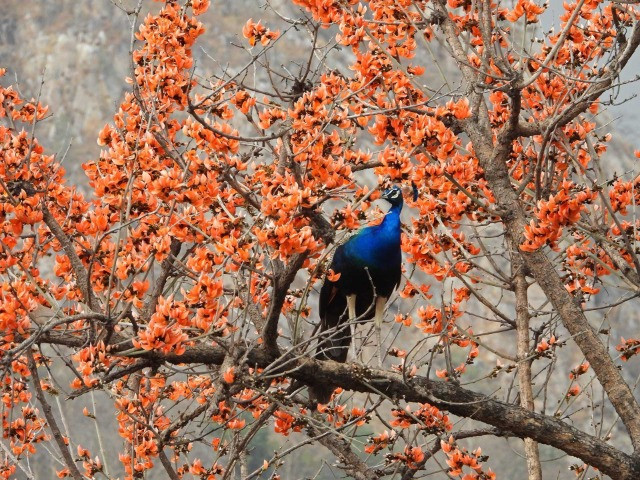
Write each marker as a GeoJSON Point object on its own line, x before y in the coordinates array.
{"type": "Point", "coordinates": [377, 246]}
{"type": "Point", "coordinates": [391, 223]}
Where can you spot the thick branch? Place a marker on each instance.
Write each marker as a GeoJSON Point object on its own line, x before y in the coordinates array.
{"type": "Point", "coordinates": [524, 360]}
{"type": "Point", "coordinates": [166, 463]}
{"type": "Point", "coordinates": [519, 422]}
{"type": "Point", "coordinates": [51, 420]}
{"type": "Point", "coordinates": [493, 161]}
{"type": "Point", "coordinates": [510, 419]}
{"type": "Point", "coordinates": [281, 283]}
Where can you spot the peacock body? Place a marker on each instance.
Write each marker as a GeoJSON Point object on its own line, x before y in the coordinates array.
{"type": "Point", "coordinates": [369, 265]}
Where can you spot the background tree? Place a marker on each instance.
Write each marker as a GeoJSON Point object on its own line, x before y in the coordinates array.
{"type": "Point", "coordinates": [183, 288]}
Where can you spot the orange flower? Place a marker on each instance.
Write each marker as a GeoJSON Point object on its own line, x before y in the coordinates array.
{"type": "Point", "coordinates": [255, 32]}
{"type": "Point", "coordinates": [64, 473]}
{"type": "Point", "coordinates": [573, 391]}
{"type": "Point", "coordinates": [236, 424]}
{"type": "Point", "coordinates": [229, 376]}
{"type": "Point", "coordinates": [332, 276]}
{"type": "Point", "coordinates": [579, 370]}
{"type": "Point", "coordinates": [200, 6]}
{"type": "Point", "coordinates": [380, 442]}
{"type": "Point", "coordinates": [527, 8]}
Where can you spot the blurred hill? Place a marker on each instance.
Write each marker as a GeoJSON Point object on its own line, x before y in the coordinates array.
{"type": "Point", "coordinates": [80, 48]}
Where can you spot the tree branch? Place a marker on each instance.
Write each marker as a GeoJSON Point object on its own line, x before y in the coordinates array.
{"type": "Point", "coordinates": [493, 161]}
{"type": "Point", "coordinates": [282, 281]}
{"type": "Point", "coordinates": [78, 268]}
{"type": "Point", "coordinates": [158, 288]}
{"type": "Point", "coordinates": [524, 359]}
{"type": "Point", "coordinates": [353, 465]}
{"type": "Point", "coordinates": [51, 420]}
{"type": "Point", "coordinates": [510, 419]}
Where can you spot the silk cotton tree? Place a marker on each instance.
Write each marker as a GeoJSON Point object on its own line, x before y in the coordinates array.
{"type": "Point", "coordinates": [182, 288]}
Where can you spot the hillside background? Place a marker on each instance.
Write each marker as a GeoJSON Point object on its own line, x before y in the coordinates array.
{"type": "Point", "coordinates": [80, 48]}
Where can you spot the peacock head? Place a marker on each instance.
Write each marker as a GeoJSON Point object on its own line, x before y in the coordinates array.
{"type": "Point", "coordinates": [393, 195]}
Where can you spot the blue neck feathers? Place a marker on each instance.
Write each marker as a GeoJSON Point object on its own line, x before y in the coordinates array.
{"type": "Point", "coordinates": [375, 246]}
{"type": "Point", "coordinates": [390, 226]}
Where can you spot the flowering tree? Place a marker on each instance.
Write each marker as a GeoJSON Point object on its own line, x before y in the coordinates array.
{"type": "Point", "coordinates": [183, 288]}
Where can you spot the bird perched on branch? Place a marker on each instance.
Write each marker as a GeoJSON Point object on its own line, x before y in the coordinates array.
{"type": "Point", "coordinates": [368, 269]}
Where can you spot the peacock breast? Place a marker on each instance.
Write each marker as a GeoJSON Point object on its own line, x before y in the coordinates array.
{"type": "Point", "coordinates": [377, 250]}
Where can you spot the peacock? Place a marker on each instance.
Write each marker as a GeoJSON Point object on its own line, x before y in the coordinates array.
{"type": "Point", "coordinates": [368, 269]}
